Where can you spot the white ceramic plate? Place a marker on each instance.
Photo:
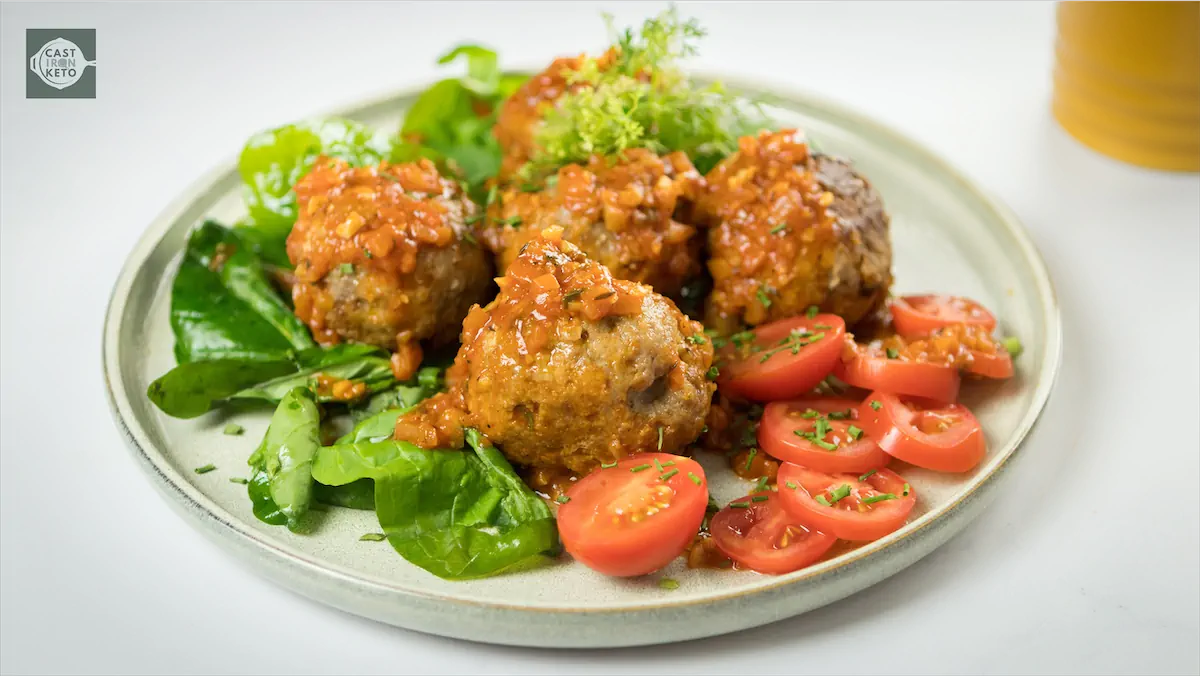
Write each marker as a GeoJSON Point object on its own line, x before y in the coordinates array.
{"type": "Point", "coordinates": [948, 236]}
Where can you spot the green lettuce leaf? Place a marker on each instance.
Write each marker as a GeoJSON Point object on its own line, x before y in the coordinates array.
{"type": "Point", "coordinates": [457, 514]}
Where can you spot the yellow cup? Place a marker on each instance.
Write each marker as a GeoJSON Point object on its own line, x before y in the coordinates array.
{"type": "Point", "coordinates": [1127, 80]}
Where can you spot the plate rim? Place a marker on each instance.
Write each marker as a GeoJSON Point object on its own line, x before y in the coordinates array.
{"type": "Point", "coordinates": [173, 485]}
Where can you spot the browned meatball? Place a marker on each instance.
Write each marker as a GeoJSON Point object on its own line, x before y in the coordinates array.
{"type": "Point", "coordinates": [569, 368]}
{"type": "Point", "coordinates": [629, 214]}
{"type": "Point", "coordinates": [789, 230]}
{"type": "Point", "coordinates": [383, 256]}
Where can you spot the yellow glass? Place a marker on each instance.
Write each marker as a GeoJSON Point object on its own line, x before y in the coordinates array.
{"type": "Point", "coordinates": [1127, 80]}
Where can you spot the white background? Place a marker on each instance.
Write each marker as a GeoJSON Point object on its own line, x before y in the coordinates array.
{"type": "Point", "coordinates": [1087, 562]}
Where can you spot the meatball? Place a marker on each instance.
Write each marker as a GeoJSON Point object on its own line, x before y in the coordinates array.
{"type": "Point", "coordinates": [569, 368]}
{"type": "Point", "coordinates": [627, 213]}
{"type": "Point", "coordinates": [789, 230]}
{"type": "Point", "coordinates": [520, 115]}
{"type": "Point", "coordinates": [383, 256]}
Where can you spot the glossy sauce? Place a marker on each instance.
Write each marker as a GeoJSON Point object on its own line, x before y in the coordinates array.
{"type": "Point", "coordinates": [953, 345]}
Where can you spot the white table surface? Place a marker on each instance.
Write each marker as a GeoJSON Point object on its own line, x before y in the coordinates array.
{"type": "Point", "coordinates": [1088, 562]}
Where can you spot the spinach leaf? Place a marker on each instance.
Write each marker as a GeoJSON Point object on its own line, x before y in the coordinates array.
{"type": "Point", "coordinates": [378, 427]}
{"type": "Point", "coordinates": [354, 495]}
{"type": "Point", "coordinates": [223, 306]}
{"type": "Point", "coordinates": [274, 160]}
{"type": "Point", "coordinates": [285, 458]}
{"type": "Point", "coordinates": [457, 514]}
{"type": "Point", "coordinates": [363, 363]}
{"type": "Point", "coordinates": [191, 389]}
{"type": "Point", "coordinates": [427, 383]}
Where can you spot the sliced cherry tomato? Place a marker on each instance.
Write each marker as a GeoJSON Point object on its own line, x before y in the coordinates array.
{"type": "Point", "coordinates": [756, 532]}
{"type": "Point", "coordinates": [782, 359]}
{"type": "Point", "coordinates": [996, 364]}
{"type": "Point", "coordinates": [915, 316]}
{"type": "Point", "coordinates": [634, 518]}
{"type": "Point", "coordinates": [848, 506]}
{"type": "Point", "coordinates": [819, 433]}
{"type": "Point", "coordinates": [872, 370]}
{"type": "Point", "coordinates": [943, 437]}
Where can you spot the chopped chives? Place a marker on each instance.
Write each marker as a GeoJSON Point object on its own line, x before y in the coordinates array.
{"type": "Point", "coordinates": [668, 583]}
{"type": "Point", "coordinates": [607, 465]}
{"type": "Point", "coordinates": [854, 432]}
{"type": "Point", "coordinates": [810, 414]}
{"type": "Point", "coordinates": [878, 498]}
{"type": "Point", "coordinates": [372, 537]}
{"type": "Point", "coordinates": [841, 415]}
{"type": "Point", "coordinates": [658, 465]}
{"type": "Point", "coordinates": [493, 193]}
{"type": "Point", "coordinates": [713, 373]}
{"type": "Point", "coordinates": [907, 489]}
{"type": "Point", "coordinates": [668, 475]}
{"type": "Point", "coordinates": [741, 504]}
{"type": "Point", "coordinates": [875, 405]}
{"type": "Point", "coordinates": [572, 295]}
{"type": "Point", "coordinates": [839, 493]}
{"type": "Point", "coordinates": [238, 480]}
{"type": "Point", "coordinates": [866, 476]}
{"type": "Point", "coordinates": [761, 485]}
{"type": "Point", "coordinates": [695, 479]}
{"type": "Point", "coordinates": [892, 353]}
{"type": "Point", "coordinates": [639, 468]}
{"type": "Point", "coordinates": [821, 499]}
{"type": "Point", "coordinates": [822, 326]}
{"type": "Point", "coordinates": [779, 228]}
{"type": "Point", "coordinates": [669, 463]}
{"type": "Point", "coordinates": [697, 339]}
{"type": "Point", "coordinates": [750, 458]}
{"type": "Point", "coordinates": [470, 238]}
{"type": "Point", "coordinates": [792, 485]}
{"type": "Point", "coordinates": [603, 296]}
{"type": "Point", "coordinates": [562, 499]}
{"type": "Point", "coordinates": [760, 498]}
{"type": "Point", "coordinates": [234, 429]}
{"type": "Point", "coordinates": [660, 438]}
{"type": "Point", "coordinates": [763, 297]}
{"type": "Point", "coordinates": [473, 219]}
{"type": "Point", "coordinates": [205, 469]}
{"type": "Point", "coordinates": [346, 269]}
{"type": "Point", "coordinates": [811, 311]}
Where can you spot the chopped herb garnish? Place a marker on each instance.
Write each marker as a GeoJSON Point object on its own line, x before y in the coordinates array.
{"type": "Point", "coordinates": [468, 237]}
{"type": "Point", "coordinates": [763, 297]}
{"type": "Point", "coordinates": [372, 537]}
{"type": "Point", "coordinates": [875, 405]}
{"type": "Point", "coordinates": [346, 269]}
{"type": "Point", "coordinates": [638, 468]}
{"type": "Point", "coordinates": [740, 504]}
{"type": "Point", "coordinates": [750, 458]}
{"type": "Point", "coordinates": [511, 221]}
{"type": "Point", "coordinates": [238, 480]}
{"type": "Point", "coordinates": [493, 193]}
{"type": "Point", "coordinates": [823, 327]}
{"type": "Point", "coordinates": [812, 311]}
{"type": "Point", "coordinates": [234, 429]}
{"type": "Point", "coordinates": [697, 339]}
{"type": "Point", "coordinates": [839, 493]}
{"type": "Point", "coordinates": [892, 353]}
{"type": "Point", "coordinates": [1013, 345]}
{"type": "Point", "coordinates": [562, 499]}
{"type": "Point", "coordinates": [695, 479]}
{"type": "Point", "coordinates": [907, 490]}
{"type": "Point", "coordinates": [607, 465]}
{"type": "Point", "coordinates": [866, 476]}
{"type": "Point", "coordinates": [821, 428]}
{"type": "Point", "coordinates": [668, 583]}
{"type": "Point", "coordinates": [571, 295]}
{"type": "Point", "coordinates": [854, 432]}
{"type": "Point", "coordinates": [660, 438]}
{"type": "Point", "coordinates": [779, 228]}
{"type": "Point", "coordinates": [669, 463]}
{"type": "Point", "coordinates": [603, 296]}
{"type": "Point", "coordinates": [810, 414]}
{"type": "Point", "coordinates": [821, 499]}
{"type": "Point", "coordinates": [761, 485]}
{"type": "Point", "coordinates": [713, 372]}
{"type": "Point", "coordinates": [668, 475]}
{"type": "Point", "coordinates": [792, 342]}
{"type": "Point", "coordinates": [760, 498]}
{"type": "Point", "coordinates": [792, 485]}
{"type": "Point", "coordinates": [878, 498]}
{"type": "Point", "coordinates": [473, 219]}
{"type": "Point", "coordinates": [841, 415]}
{"type": "Point", "coordinates": [658, 465]}
{"type": "Point", "coordinates": [530, 187]}
{"type": "Point", "coordinates": [205, 469]}
{"type": "Point", "coordinates": [368, 254]}
{"type": "Point", "coordinates": [741, 338]}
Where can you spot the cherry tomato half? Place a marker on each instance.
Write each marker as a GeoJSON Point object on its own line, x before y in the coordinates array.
{"type": "Point", "coordinates": [756, 532]}
{"type": "Point", "coordinates": [634, 518]}
{"type": "Point", "coordinates": [848, 506]}
{"type": "Point", "coordinates": [872, 370]}
{"type": "Point", "coordinates": [943, 437]}
{"type": "Point", "coordinates": [915, 316]}
{"type": "Point", "coordinates": [996, 364]}
{"type": "Point", "coordinates": [782, 359]}
{"type": "Point", "coordinates": [819, 433]}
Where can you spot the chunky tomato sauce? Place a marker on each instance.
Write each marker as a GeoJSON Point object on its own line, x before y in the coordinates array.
{"type": "Point", "coordinates": [772, 240]}
{"type": "Point", "coordinates": [954, 345]}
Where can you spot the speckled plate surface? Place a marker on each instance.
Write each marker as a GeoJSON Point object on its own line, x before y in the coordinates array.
{"type": "Point", "coordinates": [948, 236]}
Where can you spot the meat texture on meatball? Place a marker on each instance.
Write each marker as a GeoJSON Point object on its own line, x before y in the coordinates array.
{"type": "Point", "coordinates": [384, 256]}
{"type": "Point", "coordinates": [629, 213]}
{"type": "Point", "coordinates": [569, 368]}
{"type": "Point", "coordinates": [789, 230]}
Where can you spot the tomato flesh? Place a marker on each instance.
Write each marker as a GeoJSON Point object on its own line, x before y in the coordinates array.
{"type": "Point", "coordinates": [848, 506]}
{"type": "Point", "coordinates": [819, 433]}
{"type": "Point", "coordinates": [634, 518]}
{"type": "Point", "coordinates": [996, 364]}
{"type": "Point", "coordinates": [915, 316]}
{"type": "Point", "coordinates": [757, 533]}
{"type": "Point", "coordinates": [873, 371]}
{"type": "Point", "coordinates": [942, 437]}
{"type": "Point", "coordinates": [782, 359]}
